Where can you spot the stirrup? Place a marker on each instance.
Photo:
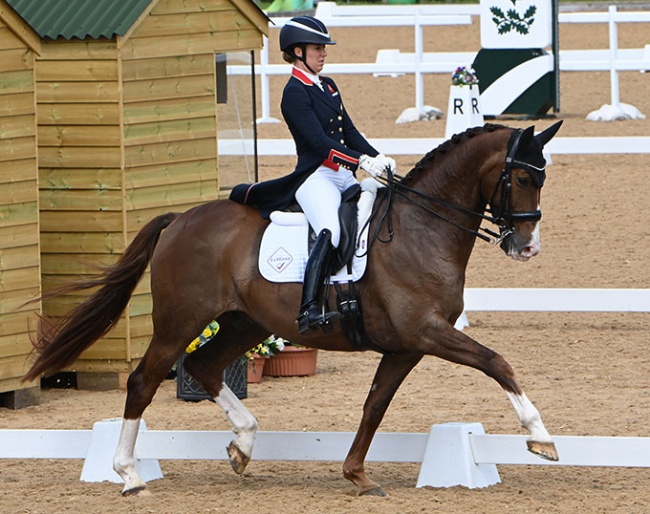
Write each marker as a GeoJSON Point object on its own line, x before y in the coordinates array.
{"type": "Point", "coordinates": [315, 316]}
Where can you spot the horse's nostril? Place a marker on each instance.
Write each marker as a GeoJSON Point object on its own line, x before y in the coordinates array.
{"type": "Point", "coordinates": [530, 250]}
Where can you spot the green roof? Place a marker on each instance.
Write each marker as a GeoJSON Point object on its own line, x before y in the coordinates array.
{"type": "Point", "coordinates": [81, 19]}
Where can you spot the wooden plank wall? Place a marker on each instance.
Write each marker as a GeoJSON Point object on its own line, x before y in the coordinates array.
{"type": "Point", "coordinates": [81, 174]}
{"type": "Point", "coordinates": [127, 130]}
{"type": "Point", "coordinates": [170, 117]}
{"type": "Point", "coordinates": [19, 231]}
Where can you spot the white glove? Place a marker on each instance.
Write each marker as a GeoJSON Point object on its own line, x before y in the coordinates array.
{"type": "Point", "coordinates": [375, 166]}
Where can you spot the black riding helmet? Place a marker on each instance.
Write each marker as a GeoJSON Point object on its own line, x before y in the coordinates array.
{"type": "Point", "coordinates": [303, 30]}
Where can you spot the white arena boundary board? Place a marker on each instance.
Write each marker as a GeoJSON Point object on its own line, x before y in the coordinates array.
{"type": "Point", "coordinates": [421, 146]}
{"type": "Point", "coordinates": [450, 454]}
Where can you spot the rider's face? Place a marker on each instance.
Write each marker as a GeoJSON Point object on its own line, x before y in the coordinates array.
{"type": "Point", "coordinates": [315, 57]}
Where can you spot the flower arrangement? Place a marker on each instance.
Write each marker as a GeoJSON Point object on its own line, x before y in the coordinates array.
{"type": "Point", "coordinates": [268, 348]}
{"type": "Point", "coordinates": [463, 76]}
{"type": "Point", "coordinates": [208, 333]}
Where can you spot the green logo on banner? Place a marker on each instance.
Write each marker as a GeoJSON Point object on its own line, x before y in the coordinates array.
{"type": "Point", "coordinates": [512, 20]}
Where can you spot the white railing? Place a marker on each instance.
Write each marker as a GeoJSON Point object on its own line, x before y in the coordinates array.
{"type": "Point", "coordinates": [420, 146]}
{"type": "Point", "coordinates": [394, 62]}
{"type": "Point", "coordinates": [451, 454]}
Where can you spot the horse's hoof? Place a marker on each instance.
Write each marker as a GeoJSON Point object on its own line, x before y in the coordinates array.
{"type": "Point", "coordinates": [544, 450]}
{"type": "Point", "coordinates": [238, 460]}
{"type": "Point", "coordinates": [137, 491]}
{"type": "Point", "coordinates": [375, 491]}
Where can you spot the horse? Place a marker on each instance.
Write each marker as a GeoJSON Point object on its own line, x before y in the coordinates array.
{"type": "Point", "coordinates": [204, 267]}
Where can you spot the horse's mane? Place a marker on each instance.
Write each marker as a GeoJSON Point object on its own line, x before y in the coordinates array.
{"type": "Point", "coordinates": [451, 144]}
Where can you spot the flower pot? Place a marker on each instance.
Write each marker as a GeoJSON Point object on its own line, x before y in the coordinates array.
{"type": "Point", "coordinates": [292, 362]}
{"type": "Point", "coordinates": [256, 369]}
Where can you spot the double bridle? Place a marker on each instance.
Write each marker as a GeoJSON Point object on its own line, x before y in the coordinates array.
{"type": "Point", "coordinates": [504, 217]}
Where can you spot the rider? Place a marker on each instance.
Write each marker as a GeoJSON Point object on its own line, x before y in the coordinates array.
{"type": "Point", "coordinates": [330, 149]}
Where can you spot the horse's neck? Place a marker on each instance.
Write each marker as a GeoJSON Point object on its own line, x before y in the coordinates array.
{"type": "Point", "coordinates": [454, 178]}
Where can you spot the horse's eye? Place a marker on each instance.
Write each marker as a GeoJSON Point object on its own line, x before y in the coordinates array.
{"type": "Point", "coordinates": [524, 181]}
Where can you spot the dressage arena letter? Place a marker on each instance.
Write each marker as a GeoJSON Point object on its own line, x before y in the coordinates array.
{"type": "Point", "coordinates": [463, 110]}
{"type": "Point", "coordinates": [458, 106]}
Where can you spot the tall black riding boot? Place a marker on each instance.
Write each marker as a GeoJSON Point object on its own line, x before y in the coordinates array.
{"type": "Point", "coordinates": [312, 313]}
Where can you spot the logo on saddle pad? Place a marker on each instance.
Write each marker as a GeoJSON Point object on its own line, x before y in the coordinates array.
{"type": "Point", "coordinates": [279, 260]}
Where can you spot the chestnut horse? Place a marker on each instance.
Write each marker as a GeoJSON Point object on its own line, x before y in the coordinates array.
{"type": "Point", "coordinates": [204, 267]}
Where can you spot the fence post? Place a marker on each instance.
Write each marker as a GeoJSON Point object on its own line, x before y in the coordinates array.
{"type": "Point", "coordinates": [264, 85]}
{"type": "Point", "coordinates": [98, 465]}
{"type": "Point", "coordinates": [613, 51]}
{"type": "Point", "coordinates": [448, 460]}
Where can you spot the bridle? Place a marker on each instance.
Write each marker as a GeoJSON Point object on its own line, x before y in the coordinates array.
{"type": "Point", "coordinates": [504, 217]}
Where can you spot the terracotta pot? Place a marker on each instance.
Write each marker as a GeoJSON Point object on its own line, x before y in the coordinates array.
{"type": "Point", "coordinates": [292, 362]}
{"type": "Point", "coordinates": [255, 369]}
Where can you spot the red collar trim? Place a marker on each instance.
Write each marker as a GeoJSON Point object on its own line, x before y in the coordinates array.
{"type": "Point", "coordinates": [300, 75]}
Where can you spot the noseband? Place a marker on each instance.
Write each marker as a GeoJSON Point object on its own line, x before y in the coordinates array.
{"type": "Point", "coordinates": [503, 216]}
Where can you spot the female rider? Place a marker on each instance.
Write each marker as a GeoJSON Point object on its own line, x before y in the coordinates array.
{"type": "Point", "coordinates": [330, 149]}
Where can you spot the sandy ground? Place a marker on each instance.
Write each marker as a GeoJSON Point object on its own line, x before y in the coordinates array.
{"type": "Point", "coordinates": [586, 373]}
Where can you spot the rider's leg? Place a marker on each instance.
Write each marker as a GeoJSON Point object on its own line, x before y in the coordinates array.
{"type": "Point", "coordinates": [312, 314]}
{"type": "Point", "coordinates": [320, 198]}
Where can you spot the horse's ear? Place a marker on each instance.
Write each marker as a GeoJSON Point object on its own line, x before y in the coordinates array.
{"type": "Point", "coordinates": [546, 135]}
{"type": "Point", "coordinates": [526, 137]}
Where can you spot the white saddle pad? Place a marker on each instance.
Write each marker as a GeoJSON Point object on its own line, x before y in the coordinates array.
{"type": "Point", "coordinates": [284, 248]}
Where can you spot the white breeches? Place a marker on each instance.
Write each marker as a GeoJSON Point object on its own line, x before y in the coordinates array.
{"type": "Point", "coordinates": [320, 197]}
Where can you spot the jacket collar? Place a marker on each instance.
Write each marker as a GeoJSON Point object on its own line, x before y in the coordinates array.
{"type": "Point", "coordinates": [302, 76]}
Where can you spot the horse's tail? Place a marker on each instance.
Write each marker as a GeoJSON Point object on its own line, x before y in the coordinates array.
{"type": "Point", "coordinates": [58, 344]}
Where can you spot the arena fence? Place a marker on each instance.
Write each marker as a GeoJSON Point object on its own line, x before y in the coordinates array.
{"type": "Point", "coordinates": [394, 62]}
{"type": "Point", "coordinates": [421, 146]}
{"type": "Point", "coordinates": [451, 454]}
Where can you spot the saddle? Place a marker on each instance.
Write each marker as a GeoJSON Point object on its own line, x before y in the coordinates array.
{"type": "Point", "coordinates": [288, 239]}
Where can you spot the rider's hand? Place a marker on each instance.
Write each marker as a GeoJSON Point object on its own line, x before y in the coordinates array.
{"type": "Point", "coordinates": [375, 166]}
{"type": "Point", "coordinates": [387, 162]}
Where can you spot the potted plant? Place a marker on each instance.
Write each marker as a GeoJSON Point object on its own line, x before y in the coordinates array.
{"type": "Point", "coordinates": [258, 356]}
{"type": "Point", "coordinates": [293, 361]}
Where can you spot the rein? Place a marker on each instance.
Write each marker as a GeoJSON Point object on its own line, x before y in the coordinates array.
{"type": "Point", "coordinates": [504, 218]}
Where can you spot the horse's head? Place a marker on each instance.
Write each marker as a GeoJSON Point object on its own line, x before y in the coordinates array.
{"type": "Point", "coordinates": [514, 202]}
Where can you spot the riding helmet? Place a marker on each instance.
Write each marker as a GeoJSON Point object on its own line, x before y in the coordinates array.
{"type": "Point", "coordinates": [303, 30]}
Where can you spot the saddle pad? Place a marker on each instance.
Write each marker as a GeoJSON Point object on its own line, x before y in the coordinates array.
{"type": "Point", "coordinates": [285, 243]}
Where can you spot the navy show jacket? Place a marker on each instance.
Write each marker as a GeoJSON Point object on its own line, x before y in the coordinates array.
{"type": "Point", "coordinates": [323, 133]}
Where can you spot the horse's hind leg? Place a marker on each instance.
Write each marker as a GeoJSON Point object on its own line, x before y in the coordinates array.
{"type": "Point", "coordinates": [391, 372]}
{"type": "Point", "coordinates": [237, 334]}
{"type": "Point", "coordinates": [141, 388]}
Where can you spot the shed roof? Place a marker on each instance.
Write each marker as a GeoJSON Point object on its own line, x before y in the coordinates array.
{"type": "Point", "coordinates": [81, 19]}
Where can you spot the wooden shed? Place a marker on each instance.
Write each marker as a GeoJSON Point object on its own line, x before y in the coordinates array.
{"type": "Point", "coordinates": [127, 129]}
{"type": "Point", "coordinates": [19, 230]}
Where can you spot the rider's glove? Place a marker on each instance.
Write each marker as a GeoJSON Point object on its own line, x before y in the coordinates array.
{"type": "Point", "coordinates": [375, 166]}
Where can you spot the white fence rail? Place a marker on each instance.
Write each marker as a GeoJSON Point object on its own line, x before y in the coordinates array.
{"type": "Point", "coordinates": [611, 59]}
{"type": "Point", "coordinates": [450, 454]}
{"type": "Point", "coordinates": [420, 146]}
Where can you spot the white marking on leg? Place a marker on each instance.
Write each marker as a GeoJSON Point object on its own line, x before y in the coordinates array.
{"type": "Point", "coordinates": [529, 417]}
{"type": "Point", "coordinates": [243, 422]}
{"type": "Point", "coordinates": [124, 460]}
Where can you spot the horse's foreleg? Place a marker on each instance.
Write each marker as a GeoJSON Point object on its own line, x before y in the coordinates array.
{"type": "Point", "coordinates": [391, 372]}
{"type": "Point", "coordinates": [539, 442]}
{"type": "Point", "coordinates": [244, 426]}
{"type": "Point", "coordinates": [454, 346]}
